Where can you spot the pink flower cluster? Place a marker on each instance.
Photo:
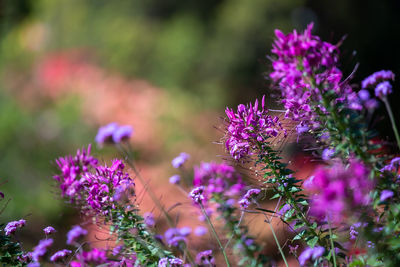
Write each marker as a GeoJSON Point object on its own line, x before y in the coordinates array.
{"type": "Point", "coordinates": [248, 128]}
{"type": "Point", "coordinates": [97, 188]}
{"type": "Point", "coordinates": [305, 69]}
{"type": "Point", "coordinates": [72, 168]}
{"type": "Point", "coordinates": [339, 189]}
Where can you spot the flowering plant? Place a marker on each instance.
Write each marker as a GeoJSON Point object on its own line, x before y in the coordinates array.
{"type": "Point", "coordinates": [347, 213]}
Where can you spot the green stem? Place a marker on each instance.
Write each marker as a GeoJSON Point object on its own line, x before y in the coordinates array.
{"type": "Point", "coordinates": [215, 234]}
{"type": "Point", "coordinates": [332, 245]}
{"type": "Point", "coordinates": [389, 110]}
{"type": "Point", "coordinates": [276, 239]}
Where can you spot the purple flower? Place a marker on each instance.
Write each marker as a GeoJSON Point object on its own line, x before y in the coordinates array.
{"type": "Point", "coordinates": [49, 230]}
{"type": "Point", "coordinates": [105, 133]}
{"type": "Point", "coordinates": [377, 77]}
{"type": "Point", "coordinates": [164, 262]}
{"type": "Point", "coordinates": [175, 179]}
{"type": "Point", "coordinates": [75, 233]}
{"type": "Point", "coordinates": [185, 231]}
{"type": "Point", "coordinates": [60, 255]}
{"type": "Point", "coordinates": [11, 227]}
{"type": "Point", "coordinates": [300, 59]}
{"type": "Point", "coordinates": [41, 249]}
{"type": "Point", "coordinates": [248, 128]}
{"type": "Point", "coordinates": [95, 256]}
{"type": "Point", "coordinates": [197, 195]}
{"type": "Point", "coordinates": [200, 230]}
{"type": "Point", "coordinates": [248, 197]}
{"type": "Point", "coordinates": [117, 250]}
{"type": "Point", "coordinates": [340, 189]}
{"type": "Point", "coordinates": [122, 133]}
{"type": "Point", "coordinates": [205, 258]}
{"type": "Point", "coordinates": [383, 89]}
{"type": "Point", "coordinates": [149, 219]}
{"type": "Point", "coordinates": [174, 236]}
{"type": "Point", "coordinates": [364, 95]}
{"type": "Point", "coordinates": [328, 153]}
{"type": "Point", "coordinates": [72, 168]}
{"type": "Point", "coordinates": [386, 194]}
{"type": "Point", "coordinates": [33, 264]}
{"type": "Point", "coordinates": [113, 133]}
{"type": "Point", "coordinates": [218, 179]}
{"type": "Point", "coordinates": [310, 253]}
{"type": "Point", "coordinates": [180, 160]}
{"type": "Point", "coordinates": [284, 209]}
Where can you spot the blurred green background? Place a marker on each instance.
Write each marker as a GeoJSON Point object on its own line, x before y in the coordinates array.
{"type": "Point", "coordinates": [204, 54]}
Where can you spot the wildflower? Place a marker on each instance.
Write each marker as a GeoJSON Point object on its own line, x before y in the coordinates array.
{"type": "Point", "coordinates": [386, 194]}
{"type": "Point", "coordinates": [363, 95]}
{"type": "Point", "coordinates": [105, 133]}
{"type": "Point", "coordinates": [95, 256]}
{"type": "Point", "coordinates": [113, 133]}
{"type": "Point", "coordinates": [383, 89]}
{"type": "Point", "coordinates": [248, 128]}
{"type": "Point", "coordinates": [33, 264]}
{"type": "Point", "coordinates": [11, 227]}
{"type": "Point", "coordinates": [328, 153]}
{"type": "Point", "coordinates": [174, 236]}
{"type": "Point", "coordinates": [75, 233]}
{"type": "Point", "coordinates": [164, 262]}
{"type": "Point", "coordinates": [205, 258]}
{"type": "Point", "coordinates": [41, 249]}
{"type": "Point", "coordinates": [180, 160]}
{"type": "Point", "coordinates": [122, 133]}
{"type": "Point", "coordinates": [197, 195]}
{"type": "Point", "coordinates": [218, 178]}
{"type": "Point", "coordinates": [49, 230]}
{"type": "Point", "coordinates": [248, 197]}
{"type": "Point", "coordinates": [310, 254]}
{"type": "Point", "coordinates": [392, 166]}
{"type": "Point", "coordinates": [72, 168]}
{"type": "Point", "coordinates": [60, 255]}
{"type": "Point", "coordinates": [300, 59]}
{"type": "Point", "coordinates": [175, 179]}
{"type": "Point", "coordinates": [149, 219]}
{"type": "Point", "coordinates": [200, 230]}
{"type": "Point", "coordinates": [340, 189]}
{"type": "Point", "coordinates": [117, 250]}
{"type": "Point", "coordinates": [284, 209]}
{"type": "Point", "coordinates": [375, 78]}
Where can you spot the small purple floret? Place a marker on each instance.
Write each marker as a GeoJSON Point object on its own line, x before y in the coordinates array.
{"type": "Point", "coordinates": [383, 89]}
{"type": "Point", "coordinates": [75, 233]}
{"type": "Point", "coordinates": [379, 76]}
{"type": "Point", "coordinates": [386, 194]}
{"type": "Point", "coordinates": [180, 160]}
{"type": "Point", "coordinates": [200, 230]}
{"type": "Point", "coordinates": [175, 179]}
{"type": "Point", "coordinates": [41, 249]}
{"type": "Point", "coordinates": [11, 227]}
{"type": "Point", "coordinates": [60, 255]}
{"type": "Point", "coordinates": [49, 230]}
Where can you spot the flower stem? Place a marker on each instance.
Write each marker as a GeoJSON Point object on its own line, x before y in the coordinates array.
{"type": "Point", "coordinates": [215, 234]}
{"type": "Point", "coordinates": [332, 245]}
{"type": "Point", "coordinates": [393, 122]}
{"type": "Point", "coordinates": [268, 221]}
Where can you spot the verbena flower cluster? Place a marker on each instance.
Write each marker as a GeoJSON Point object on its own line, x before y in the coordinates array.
{"type": "Point", "coordinates": [347, 213]}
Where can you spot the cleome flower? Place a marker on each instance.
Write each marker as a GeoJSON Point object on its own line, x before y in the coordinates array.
{"type": "Point", "coordinates": [339, 190]}
{"type": "Point", "coordinates": [248, 128]}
